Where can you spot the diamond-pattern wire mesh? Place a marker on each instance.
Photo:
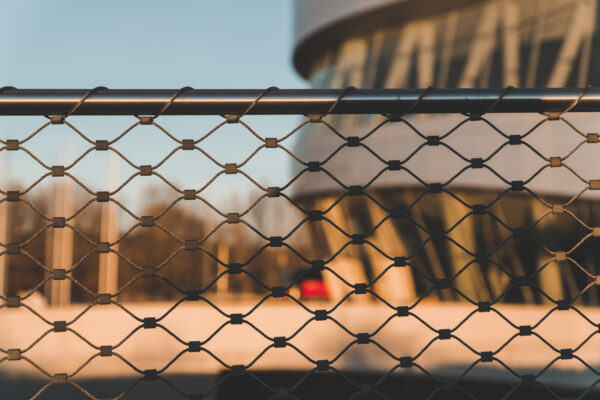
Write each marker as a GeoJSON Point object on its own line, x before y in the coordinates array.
{"type": "Point", "coordinates": [436, 386]}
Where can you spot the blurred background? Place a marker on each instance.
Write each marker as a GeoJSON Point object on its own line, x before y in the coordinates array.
{"type": "Point", "coordinates": [293, 44]}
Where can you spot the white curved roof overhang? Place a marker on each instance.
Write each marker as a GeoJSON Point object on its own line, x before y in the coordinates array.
{"type": "Point", "coordinates": [320, 24]}
{"type": "Point", "coordinates": [357, 166]}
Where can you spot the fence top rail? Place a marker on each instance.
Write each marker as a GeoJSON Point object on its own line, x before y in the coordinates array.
{"type": "Point", "coordinates": [101, 101]}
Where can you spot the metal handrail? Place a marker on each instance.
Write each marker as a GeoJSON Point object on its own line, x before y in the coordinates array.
{"type": "Point", "coordinates": [294, 101]}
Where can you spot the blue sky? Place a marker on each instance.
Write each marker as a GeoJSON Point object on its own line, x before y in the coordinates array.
{"type": "Point", "coordinates": [147, 44]}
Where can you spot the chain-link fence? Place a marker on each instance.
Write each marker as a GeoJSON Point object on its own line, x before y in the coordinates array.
{"type": "Point", "coordinates": [373, 244]}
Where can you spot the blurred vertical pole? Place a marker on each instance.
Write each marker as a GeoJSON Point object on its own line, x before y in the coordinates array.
{"type": "Point", "coordinates": [62, 244]}
{"type": "Point", "coordinates": [401, 58]}
{"type": "Point", "coordinates": [426, 54]}
{"type": "Point", "coordinates": [373, 58]}
{"type": "Point", "coordinates": [350, 72]}
{"type": "Point", "coordinates": [578, 27]}
{"type": "Point", "coordinates": [511, 43]}
{"type": "Point", "coordinates": [471, 282]}
{"type": "Point", "coordinates": [59, 247]}
{"type": "Point", "coordinates": [347, 263]}
{"type": "Point", "coordinates": [399, 286]}
{"type": "Point", "coordinates": [108, 269]}
{"type": "Point", "coordinates": [482, 46]}
{"type": "Point", "coordinates": [536, 43]}
{"type": "Point", "coordinates": [4, 234]}
{"type": "Point", "coordinates": [49, 243]}
{"type": "Point", "coordinates": [223, 255]}
{"type": "Point", "coordinates": [586, 49]}
{"type": "Point", "coordinates": [447, 48]}
{"type": "Point", "coordinates": [3, 239]}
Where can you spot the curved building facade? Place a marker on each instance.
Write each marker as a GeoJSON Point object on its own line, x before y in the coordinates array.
{"type": "Point", "coordinates": [467, 44]}
{"type": "Point", "coordinates": [461, 43]}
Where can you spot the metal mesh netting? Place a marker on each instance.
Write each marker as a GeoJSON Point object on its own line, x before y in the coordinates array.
{"type": "Point", "coordinates": [458, 285]}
